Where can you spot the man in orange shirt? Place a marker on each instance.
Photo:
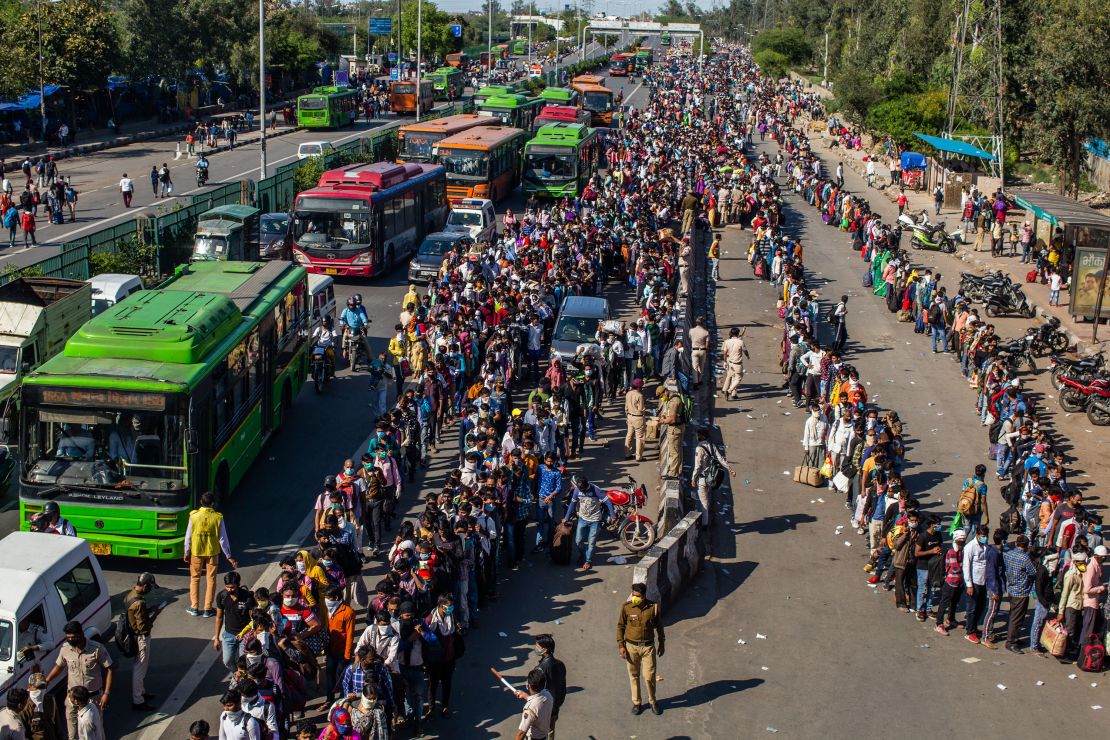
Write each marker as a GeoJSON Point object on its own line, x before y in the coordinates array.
{"type": "Point", "coordinates": [341, 638]}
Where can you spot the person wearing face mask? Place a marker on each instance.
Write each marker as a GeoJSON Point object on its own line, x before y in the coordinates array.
{"type": "Point", "coordinates": [555, 674]}
{"type": "Point", "coordinates": [233, 608]}
{"type": "Point", "coordinates": [341, 636]}
{"type": "Point", "coordinates": [380, 637]}
{"type": "Point", "coordinates": [1094, 596]}
{"type": "Point", "coordinates": [902, 545]}
{"type": "Point", "coordinates": [90, 720]}
{"type": "Point", "coordinates": [441, 661]}
{"type": "Point", "coordinates": [415, 640]}
{"type": "Point", "coordinates": [1070, 606]}
{"type": "Point", "coordinates": [41, 714]}
{"type": "Point", "coordinates": [141, 619]}
{"type": "Point", "coordinates": [12, 726]}
{"type": "Point", "coordinates": [975, 578]}
{"type": "Point", "coordinates": [235, 724]}
{"type": "Point", "coordinates": [638, 627]}
{"type": "Point", "coordinates": [258, 707]}
{"type": "Point", "coordinates": [369, 716]}
{"type": "Point", "coordinates": [263, 665]}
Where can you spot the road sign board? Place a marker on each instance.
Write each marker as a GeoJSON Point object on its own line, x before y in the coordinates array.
{"type": "Point", "coordinates": [395, 73]}
{"type": "Point", "coordinates": [392, 56]}
{"type": "Point", "coordinates": [381, 26]}
{"type": "Point", "coordinates": [456, 30]}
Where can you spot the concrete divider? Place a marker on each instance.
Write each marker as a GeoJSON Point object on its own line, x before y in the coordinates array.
{"type": "Point", "coordinates": [671, 564]}
{"type": "Point", "coordinates": [671, 508]}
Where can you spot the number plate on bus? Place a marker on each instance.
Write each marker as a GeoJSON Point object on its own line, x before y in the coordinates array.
{"type": "Point", "coordinates": [330, 271]}
{"type": "Point", "coordinates": [101, 548]}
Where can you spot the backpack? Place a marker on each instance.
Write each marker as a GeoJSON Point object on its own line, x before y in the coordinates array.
{"type": "Point", "coordinates": [993, 431]}
{"type": "Point", "coordinates": [713, 472]}
{"type": "Point", "coordinates": [868, 279]}
{"type": "Point", "coordinates": [126, 640]}
{"type": "Point", "coordinates": [894, 533]}
{"type": "Point", "coordinates": [1010, 521]}
{"type": "Point", "coordinates": [685, 409]}
{"type": "Point", "coordinates": [349, 561]}
{"type": "Point", "coordinates": [1094, 655]}
{"type": "Point", "coordinates": [968, 504]}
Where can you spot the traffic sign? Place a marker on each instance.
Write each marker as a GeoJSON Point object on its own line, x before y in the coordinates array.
{"type": "Point", "coordinates": [342, 78]}
{"type": "Point", "coordinates": [381, 26]}
{"type": "Point", "coordinates": [392, 56]}
{"type": "Point", "coordinates": [394, 73]}
{"type": "Point", "coordinates": [456, 30]}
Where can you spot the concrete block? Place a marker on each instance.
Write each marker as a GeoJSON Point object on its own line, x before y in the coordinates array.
{"type": "Point", "coordinates": [673, 563]}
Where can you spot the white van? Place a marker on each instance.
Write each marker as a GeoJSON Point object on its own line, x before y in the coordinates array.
{"type": "Point", "coordinates": [110, 288]}
{"type": "Point", "coordinates": [321, 291]}
{"type": "Point", "coordinates": [46, 580]}
{"type": "Point", "coordinates": [475, 217]}
{"type": "Point", "coordinates": [314, 149]}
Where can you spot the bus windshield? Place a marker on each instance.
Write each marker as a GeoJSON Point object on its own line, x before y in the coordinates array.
{"type": "Point", "coordinates": [102, 447]}
{"type": "Point", "coordinates": [464, 164]}
{"type": "Point", "coordinates": [307, 103]}
{"type": "Point", "coordinates": [419, 145]}
{"type": "Point", "coordinates": [321, 227]}
{"type": "Point", "coordinates": [598, 101]}
{"type": "Point", "coordinates": [404, 88]}
{"type": "Point", "coordinates": [550, 166]}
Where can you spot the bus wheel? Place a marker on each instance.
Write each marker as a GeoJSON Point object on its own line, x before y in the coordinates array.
{"type": "Point", "coordinates": [220, 490]}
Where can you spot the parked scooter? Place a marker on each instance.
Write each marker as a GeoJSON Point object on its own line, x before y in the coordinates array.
{"type": "Point", "coordinates": [931, 236]}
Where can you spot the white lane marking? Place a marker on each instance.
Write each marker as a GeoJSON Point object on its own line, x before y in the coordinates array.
{"type": "Point", "coordinates": [191, 681]}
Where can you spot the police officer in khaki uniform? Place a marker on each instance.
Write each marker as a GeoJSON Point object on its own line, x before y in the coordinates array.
{"type": "Point", "coordinates": [87, 664]}
{"type": "Point", "coordinates": [638, 627]}
{"type": "Point", "coordinates": [141, 618]}
{"type": "Point", "coordinates": [672, 420]}
{"type": "Point", "coordinates": [634, 419]}
{"type": "Point", "coordinates": [734, 352]}
{"type": "Point", "coordinates": [699, 348]}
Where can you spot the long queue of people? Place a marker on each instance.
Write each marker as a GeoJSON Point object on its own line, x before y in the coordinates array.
{"type": "Point", "coordinates": [1046, 550]}
{"type": "Point", "coordinates": [472, 353]}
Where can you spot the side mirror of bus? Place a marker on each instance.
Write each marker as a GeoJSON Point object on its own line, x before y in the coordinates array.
{"type": "Point", "coordinates": [191, 444]}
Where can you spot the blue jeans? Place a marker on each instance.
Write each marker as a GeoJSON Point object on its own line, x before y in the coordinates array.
{"type": "Point", "coordinates": [585, 537]}
{"type": "Point", "coordinates": [230, 649]}
{"type": "Point", "coordinates": [1039, 615]}
{"type": "Point", "coordinates": [924, 590]}
{"type": "Point", "coordinates": [545, 518]}
{"type": "Point", "coordinates": [416, 692]}
{"type": "Point", "coordinates": [940, 332]}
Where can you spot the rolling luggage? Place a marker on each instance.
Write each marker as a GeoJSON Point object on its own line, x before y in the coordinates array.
{"type": "Point", "coordinates": [562, 541]}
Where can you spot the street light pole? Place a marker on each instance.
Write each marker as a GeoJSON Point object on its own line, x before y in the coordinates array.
{"type": "Point", "coordinates": [262, 87]}
{"type": "Point", "coordinates": [489, 44]}
{"type": "Point", "coordinates": [825, 71]}
{"type": "Point", "coordinates": [42, 86]}
{"type": "Point", "coordinates": [419, 51]}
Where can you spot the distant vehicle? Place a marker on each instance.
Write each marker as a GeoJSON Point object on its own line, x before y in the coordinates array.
{"type": "Point", "coordinates": [596, 98]}
{"type": "Point", "coordinates": [416, 140]}
{"type": "Point", "coordinates": [514, 110]}
{"type": "Point", "coordinates": [561, 114]}
{"type": "Point", "coordinates": [520, 47]}
{"type": "Point", "coordinates": [327, 107]}
{"type": "Point", "coordinates": [227, 233]}
{"type": "Point", "coordinates": [559, 95]}
{"type": "Point", "coordinates": [275, 237]}
{"type": "Point", "coordinates": [62, 582]}
{"type": "Point", "coordinates": [482, 162]}
{"type": "Point", "coordinates": [429, 257]}
{"type": "Point", "coordinates": [458, 59]}
{"type": "Point", "coordinates": [535, 70]}
{"type": "Point", "coordinates": [664, 39]}
{"type": "Point", "coordinates": [579, 317]}
{"type": "Point", "coordinates": [559, 160]}
{"type": "Point", "coordinates": [109, 288]}
{"type": "Point", "coordinates": [314, 149]}
{"type": "Point", "coordinates": [402, 97]}
{"type": "Point", "coordinates": [621, 65]}
{"type": "Point", "coordinates": [474, 217]}
{"type": "Point", "coordinates": [321, 291]}
{"type": "Point", "coordinates": [444, 80]}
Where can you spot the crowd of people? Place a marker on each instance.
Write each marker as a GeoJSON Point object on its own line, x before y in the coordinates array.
{"type": "Point", "coordinates": [1046, 551]}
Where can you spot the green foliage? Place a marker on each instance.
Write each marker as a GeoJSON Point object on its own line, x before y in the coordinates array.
{"type": "Point", "coordinates": [772, 63]}
{"type": "Point", "coordinates": [907, 114]}
{"type": "Point", "coordinates": [790, 43]}
{"type": "Point", "coordinates": [130, 257]}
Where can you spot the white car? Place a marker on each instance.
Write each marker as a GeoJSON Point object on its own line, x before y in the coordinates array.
{"type": "Point", "coordinates": [314, 149]}
{"type": "Point", "coordinates": [473, 216]}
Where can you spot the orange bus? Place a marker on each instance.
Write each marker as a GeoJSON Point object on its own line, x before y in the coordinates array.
{"type": "Point", "coordinates": [458, 59]}
{"type": "Point", "coordinates": [402, 96]}
{"type": "Point", "coordinates": [581, 80]}
{"type": "Point", "coordinates": [598, 100]}
{"type": "Point", "coordinates": [482, 162]}
{"type": "Point", "coordinates": [415, 141]}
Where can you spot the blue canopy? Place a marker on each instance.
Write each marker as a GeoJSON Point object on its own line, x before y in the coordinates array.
{"type": "Point", "coordinates": [913, 161]}
{"type": "Point", "coordinates": [953, 146]}
{"type": "Point", "coordinates": [30, 101]}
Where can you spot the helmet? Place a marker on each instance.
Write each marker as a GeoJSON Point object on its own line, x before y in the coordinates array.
{"type": "Point", "coordinates": [357, 298]}
{"type": "Point", "coordinates": [50, 508]}
{"type": "Point", "coordinates": [330, 482]}
{"type": "Point", "coordinates": [580, 482]}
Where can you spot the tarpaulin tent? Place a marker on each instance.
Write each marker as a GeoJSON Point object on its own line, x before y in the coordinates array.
{"type": "Point", "coordinates": [30, 101]}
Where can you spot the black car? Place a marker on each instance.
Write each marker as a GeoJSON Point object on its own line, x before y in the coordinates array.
{"type": "Point", "coordinates": [425, 265]}
{"type": "Point", "coordinates": [275, 236]}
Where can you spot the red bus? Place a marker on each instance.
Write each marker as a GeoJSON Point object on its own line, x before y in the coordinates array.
{"type": "Point", "coordinates": [621, 65]}
{"type": "Point", "coordinates": [560, 114]}
{"type": "Point", "coordinates": [362, 219]}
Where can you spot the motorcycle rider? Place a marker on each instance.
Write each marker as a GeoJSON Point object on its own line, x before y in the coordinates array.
{"type": "Point", "coordinates": [591, 503]}
{"type": "Point", "coordinates": [202, 170]}
{"type": "Point", "coordinates": [50, 521]}
{"type": "Point", "coordinates": [354, 321]}
{"type": "Point", "coordinates": [325, 336]}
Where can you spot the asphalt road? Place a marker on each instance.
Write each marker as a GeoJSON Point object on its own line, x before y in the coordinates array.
{"type": "Point", "coordinates": [269, 512]}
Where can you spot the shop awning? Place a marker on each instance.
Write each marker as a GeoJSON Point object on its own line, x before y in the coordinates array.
{"type": "Point", "coordinates": [1054, 209]}
{"type": "Point", "coordinates": [30, 101]}
{"type": "Point", "coordinates": [954, 146]}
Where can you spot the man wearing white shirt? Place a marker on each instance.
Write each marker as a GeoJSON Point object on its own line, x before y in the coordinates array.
{"type": "Point", "coordinates": [127, 189]}
{"type": "Point", "coordinates": [975, 577]}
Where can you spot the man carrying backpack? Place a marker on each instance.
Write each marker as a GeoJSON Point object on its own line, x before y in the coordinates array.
{"type": "Point", "coordinates": [972, 504]}
{"type": "Point", "coordinates": [709, 467]}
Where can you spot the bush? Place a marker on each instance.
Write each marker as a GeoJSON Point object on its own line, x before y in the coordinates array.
{"type": "Point", "coordinates": [789, 42]}
{"type": "Point", "coordinates": [130, 257]}
{"type": "Point", "coordinates": [772, 63]}
{"type": "Point", "coordinates": [905, 115]}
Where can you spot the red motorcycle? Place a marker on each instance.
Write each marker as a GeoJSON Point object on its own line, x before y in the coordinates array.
{"type": "Point", "coordinates": [635, 531]}
{"type": "Point", "coordinates": [1075, 394]}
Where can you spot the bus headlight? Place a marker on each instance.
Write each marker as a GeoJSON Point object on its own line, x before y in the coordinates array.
{"type": "Point", "coordinates": [362, 259]}
{"type": "Point", "coordinates": [299, 257]}
{"type": "Point", "coordinates": [167, 522]}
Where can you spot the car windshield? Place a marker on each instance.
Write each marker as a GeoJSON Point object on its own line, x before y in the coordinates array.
{"type": "Point", "coordinates": [435, 247]}
{"type": "Point", "coordinates": [88, 446]}
{"type": "Point", "coordinates": [464, 164]}
{"type": "Point", "coordinates": [209, 247]}
{"type": "Point", "coordinates": [275, 226]}
{"type": "Point", "coordinates": [310, 149]}
{"type": "Point", "coordinates": [464, 218]}
{"type": "Point", "coordinates": [6, 635]}
{"type": "Point", "coordinates": [552, 167]}
{"type": "Point", "coordinates": [575, 329]}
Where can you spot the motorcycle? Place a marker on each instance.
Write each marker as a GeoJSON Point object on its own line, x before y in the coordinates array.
{"type": "Point", "coordinates": [353, 349]}
{"type": "Point", "coordinates": [1098, 410]}
{"type": "Point", "coordinates": [202, 176]}
{"type": "Point", "coordinates": [1076, 395]}
{"type": "Point", "coordinates": [635, 531]}
{"type": "Point", "coordinates": [931, 236]}
{"type": "Point", "coordinates": [978, 288]}
{"type": "Point", "coordinates": [1081, 369]}
{"type": "Point", "coordinates": [1010, 300]}
{"type": "Point", "coordinates": [1048, 339]}
{"type": "Point", "coordinates": [1018, 353]}
{"type": "Point", "coordinates": [319, 368]}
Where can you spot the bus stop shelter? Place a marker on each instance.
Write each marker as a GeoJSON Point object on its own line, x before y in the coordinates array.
{"type": "Point", "coordinates": [1084, 237]}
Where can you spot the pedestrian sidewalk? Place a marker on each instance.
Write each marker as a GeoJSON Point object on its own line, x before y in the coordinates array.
{"type": "Point", "coordinates": [1079, 332]}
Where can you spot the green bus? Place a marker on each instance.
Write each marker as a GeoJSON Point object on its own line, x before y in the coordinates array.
{"type": "Point", "coordinates": [665, 39]}
{"type": "Point", "coordinates": [560, 160]}
{"type": "Point", "coordinates": [559, 95]}
{"type": "Point", "coordinates": [513, 110]}
{"type": "Point", "coordinates": [167, 394]}
{"type": "Point", "coordinates": [327, 107]}
{"type": "Point", "coordinates": [444, 79]}
{"type": "Point", "coordinates": [520, 47]}
{"type": "Point", "coordinates": [488, 91]}
{"type": "Point", "coordinates": [643, 58]}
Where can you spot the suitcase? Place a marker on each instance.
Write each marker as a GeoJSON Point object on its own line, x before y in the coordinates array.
{"type": "Point", "coordinates": [561, 543]}
{"type": "Point", "coordinates": [1054, 638]}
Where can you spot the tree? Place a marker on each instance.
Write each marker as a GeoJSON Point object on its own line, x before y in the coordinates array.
{"type": "Point", "coordinates": [789, 42]}
{"type": "Point", "coordinates": [772, 63]}
{"type": "Point", "coordinates": [435, 34]}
